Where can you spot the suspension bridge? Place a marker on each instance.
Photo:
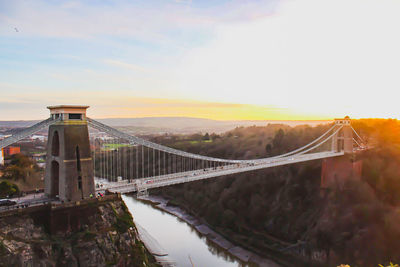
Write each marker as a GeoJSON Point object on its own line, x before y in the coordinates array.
{"type": "Point", "coordinates": [124, 163]}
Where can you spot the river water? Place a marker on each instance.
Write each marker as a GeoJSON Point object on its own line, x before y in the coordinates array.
{"type": "Point", "coordinates": [182, 242]}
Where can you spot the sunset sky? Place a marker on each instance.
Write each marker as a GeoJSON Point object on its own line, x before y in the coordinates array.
{"type": "Point", "coordinates": [287, 59]}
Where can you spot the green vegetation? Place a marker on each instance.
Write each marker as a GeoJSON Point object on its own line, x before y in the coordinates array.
{"type": "Point", "coordinates": [192, 142]}
{"type": "Point", "coordinates": [114, 146]}
{"type": "Point", "coordinates": [390, 265]}
{"type": "Point", "coordinates": [202, 141]}
{"type": "Point", "coordinates": [8, 189]}
{"type": "Point", "coordinates": [88, 235]}
{"type": "Point", "coordinates": [246, 143]}
{"type": "Point", "coordinates": [20, 168]}
{"type": "Point", "coordinates": [142, 256]}
{"type": "Point", "coordinates": [23, 172]}
{"type": "Point", "coordinates": [358, 225]}
{"type": "Point", "coordinates": [366, 218]}
{"type": "Point", "coordinates": [3, 248]}
{"type": "Point", "coordinates": [123, 221]}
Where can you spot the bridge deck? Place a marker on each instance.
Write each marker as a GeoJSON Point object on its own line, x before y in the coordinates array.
{"type": "Point", "coordinates": [183, 177]}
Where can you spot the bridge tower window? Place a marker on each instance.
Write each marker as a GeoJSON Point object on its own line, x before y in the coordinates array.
{"type": "Point", "coordinates": [55, 145]}
{"type": "Point", "coordinates": [75, 116]}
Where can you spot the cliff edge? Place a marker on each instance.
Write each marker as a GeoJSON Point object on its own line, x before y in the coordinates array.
{"type": "Point", "coordinates": [98, 233]}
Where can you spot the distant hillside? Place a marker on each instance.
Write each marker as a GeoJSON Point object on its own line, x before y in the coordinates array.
{"type": "Point", "coordinates": [154, 125]}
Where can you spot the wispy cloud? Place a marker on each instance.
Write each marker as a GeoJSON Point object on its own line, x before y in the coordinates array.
{"type": "Point", "coordinates": [326, 57]}
{"type": "Point", "coordinates": [126, 65]}
{"type": "Point", "coordinates": [183, 1]}
{"type": "Point", "coordinates": [71, 5]}
{"type": "Point", "coordinates": [143, 20]}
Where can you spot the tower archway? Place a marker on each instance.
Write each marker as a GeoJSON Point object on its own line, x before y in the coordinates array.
{"type": "Point", "coordinates": [55, 179]}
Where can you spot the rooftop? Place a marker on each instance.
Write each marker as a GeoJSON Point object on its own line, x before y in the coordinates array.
{"type": "Point", "coordinates": [67, 107]}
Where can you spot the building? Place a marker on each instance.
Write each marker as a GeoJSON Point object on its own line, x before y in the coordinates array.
{"type": "Point", "coordinates": [8, 151]}
{"type": "Point", "coordinates": [41, 138]}
{"type": "Point", "coordinates": [2, 136]}
{"type": "Point", "coordinates": [11, 150]}
{"type": "Point", "coordinates": [40, 159]}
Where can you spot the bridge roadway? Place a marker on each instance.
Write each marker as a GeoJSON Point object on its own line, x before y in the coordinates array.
{"type": "Point", "coordinates": [195, 175]}
{"type": "Point", "coordinates": [177, 178]}
{"type": "Point", "coordinates": [30, 200]}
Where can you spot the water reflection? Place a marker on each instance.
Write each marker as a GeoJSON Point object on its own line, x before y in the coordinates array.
{"type": "Point", "coordinates": [223, 253]}
{"type": "Point", "coordinates": [182, 242]}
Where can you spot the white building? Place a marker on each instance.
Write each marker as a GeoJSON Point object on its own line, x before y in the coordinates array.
{"type": "Point", "coordinates": [2, 136]}
{"type": "Point", "coordinates": [39, 137]}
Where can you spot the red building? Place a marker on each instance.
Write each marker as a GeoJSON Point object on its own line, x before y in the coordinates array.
{"type": "Point", "coordinates": [11, 150]}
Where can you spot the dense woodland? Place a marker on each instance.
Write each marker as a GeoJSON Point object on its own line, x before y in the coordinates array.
{"type": "Point", "coordinates": [358, 226]}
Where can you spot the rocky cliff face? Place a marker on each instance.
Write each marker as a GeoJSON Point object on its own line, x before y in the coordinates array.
{"type": "Point", "coordinates": [108, 238]}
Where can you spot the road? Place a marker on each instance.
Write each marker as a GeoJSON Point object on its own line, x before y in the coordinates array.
{"type": "Point", "coordinates": [27, 201]}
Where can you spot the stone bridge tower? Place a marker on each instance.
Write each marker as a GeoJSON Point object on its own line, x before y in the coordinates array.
{"type": "Point", "coordinates": [69, 167]}
{"type": "Point", "coordinates": [343, 140]}
{"type": "Point", "coordinates": [337, 170]}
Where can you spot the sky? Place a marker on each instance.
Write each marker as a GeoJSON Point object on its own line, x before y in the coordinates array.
{"type": "Point", "coordinates": [240, 59]}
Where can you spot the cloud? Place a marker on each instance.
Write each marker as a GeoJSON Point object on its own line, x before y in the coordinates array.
{"type": "Point", "coordinates": [107, 105]}
{"type": "Point", "coordinates": [71, 5]}
{"type": "Point", "coordinates": [183, 1]}
{"type": "Point", "coordinates": [126, 65]}
{"type": "Point", "coordinates": [141, 20]}
{"type": "Point", "coordinates": [323, 57]}
{"type": "Point", "coordinates": [317, 56]}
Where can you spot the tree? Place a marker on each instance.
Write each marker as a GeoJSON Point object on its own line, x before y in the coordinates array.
{"type": "Point", "coordinates": [20, 168]}
{"type": "Point", "coordinates": [228, 218]}
{"type": "Point", "coordinates": [20, 160]}
{"type": "Point", "coordinates": [8, 189]}
{"type": "Point", "coordinates": [278, 138]}
{"type": "Point", "coordinates": [214, 136]}
{"type": "Point", "coordinates": [14, 172]}
{"type": "Point", "coordinates": [268, 149]}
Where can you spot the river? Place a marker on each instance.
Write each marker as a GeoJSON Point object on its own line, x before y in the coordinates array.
{"type": "Point", "coordinates": [184, 245]}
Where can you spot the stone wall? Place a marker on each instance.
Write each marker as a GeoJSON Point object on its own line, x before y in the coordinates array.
{"type": "Point", "coordinates": [336, 171]}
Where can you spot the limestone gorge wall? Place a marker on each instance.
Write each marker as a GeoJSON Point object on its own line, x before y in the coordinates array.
{"type": "Point", "coordinates": [96, 234]}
